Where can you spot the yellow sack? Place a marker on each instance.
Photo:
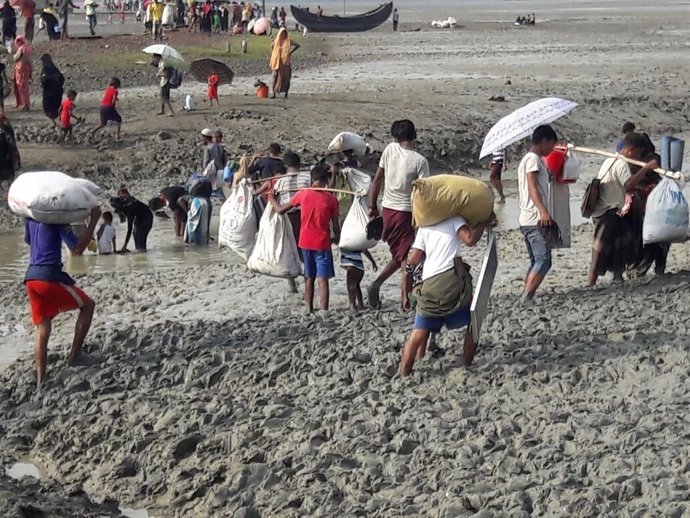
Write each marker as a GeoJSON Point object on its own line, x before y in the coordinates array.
{"type": "Point", "coordinates": [443, 196]}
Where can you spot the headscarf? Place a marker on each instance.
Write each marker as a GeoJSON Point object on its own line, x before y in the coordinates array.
{"type": "Point", "coordinates": [22, 46]}
{"type": "Point", "coordinates": [49, 68]}
{"type": "Point", "coordinates": [280, 56]}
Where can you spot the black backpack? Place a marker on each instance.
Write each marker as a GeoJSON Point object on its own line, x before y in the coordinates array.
{"type": "Point", "coordinates": [174, 77]}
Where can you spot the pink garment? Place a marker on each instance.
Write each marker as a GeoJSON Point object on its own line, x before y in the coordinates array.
{"type": "Point", "coordinates": [22, 72]}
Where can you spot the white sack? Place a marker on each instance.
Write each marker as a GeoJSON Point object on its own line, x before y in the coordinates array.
{"type": "Point", "coordinates": [358, 181]}
{"type": "Point", "coordinates": [238, 227]}
{"type": "Point", "coordinates": [353, 235]}
{"type": "Point", "coordinates": [275, 253]}
{"type": "Point", "coordinates": [666, 215]}
{"type": "Point", "coordinates": [348, 141]}
{"type": "Point", "coordinates": [52, 197]}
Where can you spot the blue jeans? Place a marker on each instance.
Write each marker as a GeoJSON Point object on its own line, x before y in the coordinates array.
{"type": "Point", "coordinates": [538, 250]}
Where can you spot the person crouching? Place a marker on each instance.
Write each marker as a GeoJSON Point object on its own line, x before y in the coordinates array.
{"type": "Point", "coordinates": [445, 294]}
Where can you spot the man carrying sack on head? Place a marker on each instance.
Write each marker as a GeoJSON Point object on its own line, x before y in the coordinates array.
{"type": "Point", "coordinates": [445, 294]}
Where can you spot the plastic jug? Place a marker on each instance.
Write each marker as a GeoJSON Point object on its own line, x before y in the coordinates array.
{"type": "Point", "coordinates": [672, 153]}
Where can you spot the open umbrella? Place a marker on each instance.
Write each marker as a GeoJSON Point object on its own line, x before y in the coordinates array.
{"type": "Point", "coordinates": [261, 26]}
{"type": "Point", "coordinates": [202, 68]}
{"type": "Point", "coordinates": [522, 122]}
{"type": "Point", "coordinates": [165, 51]}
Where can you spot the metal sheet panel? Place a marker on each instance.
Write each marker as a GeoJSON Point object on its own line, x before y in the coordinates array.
{"type": "Point", "coordinates": [482, 290]}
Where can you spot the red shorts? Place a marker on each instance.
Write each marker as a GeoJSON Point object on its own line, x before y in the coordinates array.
{"type": "Point", "coordinates": [48, 299]}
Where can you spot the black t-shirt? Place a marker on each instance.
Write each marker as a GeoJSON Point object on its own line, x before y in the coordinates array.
{"type": "Point", "coordinates": [172, 194]}
{"type": "Point", "coordinates": [266, 167]}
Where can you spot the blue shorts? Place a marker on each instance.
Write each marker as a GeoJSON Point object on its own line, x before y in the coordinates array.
{"type": "Point", "coordinates": [318, 264]}
{"type": "Point", "coordinates": [351, 260]}
{"type": "Point", "coordinates": [461, 318]}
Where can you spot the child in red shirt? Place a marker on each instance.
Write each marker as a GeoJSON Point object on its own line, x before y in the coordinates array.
{"type": "Point", "coordinates": [213, 82]}
{"type": "Point", "coordinates": [318, 212]}
{"type": "Point", "coordinates": [108, 111]}
{"type": "Point", "coordinates": [66, 115]}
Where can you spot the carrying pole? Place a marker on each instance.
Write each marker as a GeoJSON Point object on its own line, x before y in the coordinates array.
{"type": "Point", "coordinates": [661, 172]}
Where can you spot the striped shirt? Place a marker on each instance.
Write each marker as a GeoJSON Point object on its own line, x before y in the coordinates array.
{"type": "Point", "coordinates": [498, 157]}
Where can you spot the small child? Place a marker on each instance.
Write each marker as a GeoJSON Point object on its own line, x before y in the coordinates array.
{"type": "Point", "coordinates": [66, 114]}
{"type": "Point", "coordinates": [108, 110]}
{"type": "Point", "coordinates": [213, 82]}
{"type": "Point", "coordinates": [106, 235]}
{"type": "Point", "coordinates": [318, 212]}
{"type": "Point", "coordinates": [354, 266]}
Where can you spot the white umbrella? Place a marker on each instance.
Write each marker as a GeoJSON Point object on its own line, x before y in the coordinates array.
{"type": "Point", "coordinates": [521, 123]}
{"type": "Point", "coordinates": [165, 51]}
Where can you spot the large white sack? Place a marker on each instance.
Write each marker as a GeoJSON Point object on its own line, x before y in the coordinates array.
{"type": "Point", "coordinates": [347, 141]}
{"type": "Point", "coordinates": [275, 253]}
{"type": "Point", "coordinates": [52, 197]}
{"type": "Point", "coordinates": [358, 181]}
{"type": "Point", "coordinates": [238, 227]}
{"type": "Point", "coordinates": [353, 235]}
{"type": "Point", "coordinates": [666, 214]}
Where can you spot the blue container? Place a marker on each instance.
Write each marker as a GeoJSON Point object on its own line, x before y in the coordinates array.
{"type": "Point", "coordinates": [672, 153]}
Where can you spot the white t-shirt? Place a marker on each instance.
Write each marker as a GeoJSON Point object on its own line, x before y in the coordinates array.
{"type": "Point", "coordinates": [401, 167]}
{"type": "Point", "coordinates": [613, 174]}
{"type": "Point", "coordinates": [441, 245]}
{"type": "Point", "coordinates": [529, 214]}
{"type": "Point", "coordinates": [105, 243]}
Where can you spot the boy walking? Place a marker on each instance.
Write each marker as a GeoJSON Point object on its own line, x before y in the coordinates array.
{"type": "Point", "coordinates": [51, 291]}
{"type": "Point", "coordinates": [318, 213]}
{"type": "Point", "coordinates": [533, 186]}
{"type": "Point", "coordinates": [66, 115]}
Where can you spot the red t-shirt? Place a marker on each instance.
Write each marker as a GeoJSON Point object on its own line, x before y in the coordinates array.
{"type": "Point", "coordinates": [109, 97]}
{"type": "Point", "coordinates": [317, 209]}
{"type": "Point", "coordinates": [66, 113]}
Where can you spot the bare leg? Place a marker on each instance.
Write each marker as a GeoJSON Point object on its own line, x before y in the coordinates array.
{"type": "Point", "coordinates": [532, 283]}
{"type": "Point", "coordinates": [81, 329]}
{"type": "Point", "coordinates": [117, 130]}
{"type": "Point", "coordinates": [373, 291]}
{"type": "Point", "coordinates": [469, 347]}
{"type": "Point", "coordinates": [417, 339]}
{"type": "Point", "coordinates": [41, 349]}
{"type": "Point", "coordinates": [324, 293]}
{"type": "Point", "coordinates": [354, 277]}
{"type": "Point", "coordinates": [309, 293]}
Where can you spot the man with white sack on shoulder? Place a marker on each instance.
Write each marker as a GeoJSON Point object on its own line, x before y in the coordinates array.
{"type": "Point", "coordinates": [445, 294]}
{"type": "Point", "coordinates": [52, 291]}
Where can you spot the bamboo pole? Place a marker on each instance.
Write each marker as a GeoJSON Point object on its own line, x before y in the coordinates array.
{"type": "Point", "coordinates": [262, 180]}
{"type": "Point", "coordinates": [659, 171]}
{"type": "Point", "coordinates": [326, 189]}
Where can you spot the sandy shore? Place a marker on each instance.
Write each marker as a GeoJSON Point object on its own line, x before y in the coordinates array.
{"type": "Point", "coordinates": [214, 395]}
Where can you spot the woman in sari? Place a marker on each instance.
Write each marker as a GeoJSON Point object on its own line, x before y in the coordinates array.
{"type": "Point", "coordinates": [51, 82]}
{"type": "Point", "coordinates": [617, 230]}
{"type": "Point", "coordinates": [22, 73]}
{"type": "Point", "coordinates": [283, 48]}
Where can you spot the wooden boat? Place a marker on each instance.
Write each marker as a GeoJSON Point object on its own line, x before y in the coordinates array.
{"type": "Point", "coordinates": [357, 23]}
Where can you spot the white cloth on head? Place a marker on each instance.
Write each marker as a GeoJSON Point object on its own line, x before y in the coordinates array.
{"type": "Point", "coordinates": [531, 164]}
{"type": "Point", "coordinates": [401, 167]}
{"type": "Point", "coordinates": [440, 244]}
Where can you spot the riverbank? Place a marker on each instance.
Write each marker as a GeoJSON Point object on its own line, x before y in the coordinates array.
{"type": "Point", "coordinates": [214, 395]}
